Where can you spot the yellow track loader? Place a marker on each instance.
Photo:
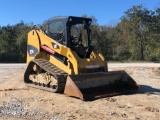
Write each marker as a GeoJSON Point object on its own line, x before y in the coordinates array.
{"type": "Point", "coordinates": [61, 59]}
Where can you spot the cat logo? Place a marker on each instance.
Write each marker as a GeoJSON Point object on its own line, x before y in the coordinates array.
{"type": "Point", "coordinates": [31, 52]}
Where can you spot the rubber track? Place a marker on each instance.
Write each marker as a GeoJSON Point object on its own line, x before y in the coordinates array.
{"type": "Point", "coordinates": [53, 70]}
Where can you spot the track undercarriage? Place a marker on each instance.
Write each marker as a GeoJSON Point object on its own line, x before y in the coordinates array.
{"type": "Point", "coordinates": [41, 74]}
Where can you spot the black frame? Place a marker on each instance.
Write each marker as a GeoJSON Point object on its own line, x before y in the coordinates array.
{"type": "Point", "coordinates": [68, 22]}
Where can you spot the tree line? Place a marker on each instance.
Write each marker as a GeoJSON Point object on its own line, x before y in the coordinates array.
{"type": "Point", "coordinates": [135, 38]}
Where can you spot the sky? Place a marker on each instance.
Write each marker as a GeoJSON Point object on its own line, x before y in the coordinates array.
{"type": "Point", "coordinates": [106, 12]}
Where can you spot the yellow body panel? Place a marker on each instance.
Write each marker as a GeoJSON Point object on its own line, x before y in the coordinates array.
{"type": "Point", "coordinates": [32, 40]}
{"type": "Point", "coordinates": [76, 65]}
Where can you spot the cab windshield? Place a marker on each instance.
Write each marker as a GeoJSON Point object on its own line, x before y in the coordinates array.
{"type": "Point", "coordinates": [56, 30]}
{"type": "Point", "coordinates": [79, 34]}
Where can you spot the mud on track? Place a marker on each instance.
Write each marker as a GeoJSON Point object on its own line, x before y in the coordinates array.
{"type": "Point", "coordinates": [19, 102]}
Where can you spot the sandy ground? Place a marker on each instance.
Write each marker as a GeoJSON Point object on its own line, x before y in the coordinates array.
{"type": "Point", "coordinates": [18, 102]}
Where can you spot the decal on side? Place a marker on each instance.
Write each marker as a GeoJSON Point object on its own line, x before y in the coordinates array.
{"type": "Point", "coordinates": [32, 51]}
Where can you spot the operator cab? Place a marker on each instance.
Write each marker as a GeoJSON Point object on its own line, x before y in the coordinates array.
{"type": "Point", "coordinates": [73, 32]}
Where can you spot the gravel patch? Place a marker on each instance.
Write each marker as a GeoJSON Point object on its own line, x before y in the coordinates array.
{"type": "Point", "coordinates": [15, 107]}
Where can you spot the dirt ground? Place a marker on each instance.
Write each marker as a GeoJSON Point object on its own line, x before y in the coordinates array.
{"type": "Point", "coordinates": [18, 102]}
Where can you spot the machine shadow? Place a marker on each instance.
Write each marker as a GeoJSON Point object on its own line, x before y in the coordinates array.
{"type": "Point", "coordinates": [145, 89]}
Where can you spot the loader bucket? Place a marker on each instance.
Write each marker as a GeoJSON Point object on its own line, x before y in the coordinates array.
{"type": "Point", "coordinates": [101, 84]}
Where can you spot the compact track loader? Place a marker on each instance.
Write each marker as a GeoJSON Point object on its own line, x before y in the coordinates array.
{"type": "Point", "coordinates": [62, 59]}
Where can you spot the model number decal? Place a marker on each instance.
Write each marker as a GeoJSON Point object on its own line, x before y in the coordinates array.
{"type": "Point", "coordinates": [92, 66]}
